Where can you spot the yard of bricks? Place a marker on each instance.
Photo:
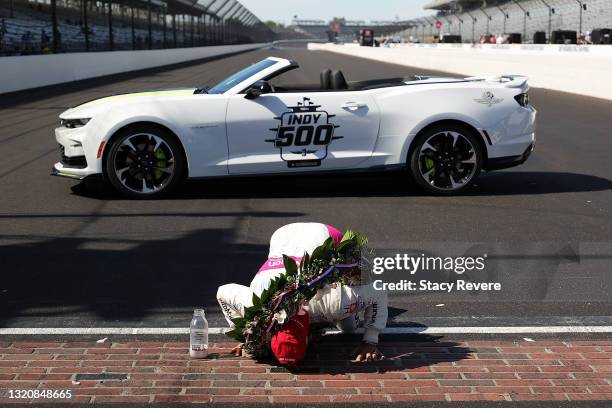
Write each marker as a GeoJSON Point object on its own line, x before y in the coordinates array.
{"type": "Point", "coordinates": [157, 371]}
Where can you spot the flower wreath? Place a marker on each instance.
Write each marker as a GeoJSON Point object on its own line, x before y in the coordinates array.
{"type": "Point", "coordinates": [288, 292]}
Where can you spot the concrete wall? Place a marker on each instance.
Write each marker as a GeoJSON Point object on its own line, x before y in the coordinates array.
{"type": "Point", "coordinates": [581, 70]}
{"type": "Point", "coordinates": [24, 72]}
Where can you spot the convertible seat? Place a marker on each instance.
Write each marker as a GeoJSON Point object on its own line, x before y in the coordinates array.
{"type": "Point", "coordinates": [338, 81]}
{"type": "Point", "coordinates": [326, 79]}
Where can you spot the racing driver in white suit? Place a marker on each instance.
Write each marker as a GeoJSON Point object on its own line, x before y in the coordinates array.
{"type": "Point", "coordinates": [333, 304]}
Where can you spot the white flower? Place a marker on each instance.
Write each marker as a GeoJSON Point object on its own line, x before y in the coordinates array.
{"type": "Point", "coordinates": [281, 316]}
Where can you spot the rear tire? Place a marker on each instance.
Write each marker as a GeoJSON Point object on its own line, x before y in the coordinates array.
{"type": "Point", "coordinates": [446, 159]}
{"type": "Point", "coordinates": [144, 162]}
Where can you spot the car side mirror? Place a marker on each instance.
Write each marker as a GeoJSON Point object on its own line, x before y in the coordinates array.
{"type": "Point", "coordinates": [257, 89]}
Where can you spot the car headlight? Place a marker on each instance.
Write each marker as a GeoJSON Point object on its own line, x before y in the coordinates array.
{"type": "Point", "coordinates": [522, 99]}
{"type": "Point", "coordinates": [74, 123]}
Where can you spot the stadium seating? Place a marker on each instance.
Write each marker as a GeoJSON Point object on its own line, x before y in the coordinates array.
{"type": "Point", "coordinates": [27, 29]}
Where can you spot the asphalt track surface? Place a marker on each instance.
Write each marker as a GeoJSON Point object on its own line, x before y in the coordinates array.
{"type": "Point", "coordinates": [77, 255]}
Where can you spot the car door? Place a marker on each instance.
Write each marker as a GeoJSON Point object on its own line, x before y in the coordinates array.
{"type": "Point", "coordinates": [284, 132]}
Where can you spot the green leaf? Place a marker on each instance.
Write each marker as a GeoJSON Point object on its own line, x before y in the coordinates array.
{"type": "Point", "coordinates": [317, 253]}
{"type": "Point", "coordinates": [361, 240]}
{"type": "Point", "coordinates": [282, 283]}
{"type": "Point", "coordinates": [348, 235]}
{"type": "Point", "coordinates": [305, 261]}
{"type": "Point", "coordinates": [344, 245]}
{"type": "Point", "coordinates": [256, 301]}
{"type": "Point", "coordinates": [353, 237]}
{"type": "Point", "coordinates": [236, 334]}
{"type": "Point", "coordinates": [324, 251]}
{"type": "Point", "coordinates": [266, 295]}
{"type": "Point", "coordinates": [329, 244]}
{"type": "Point", "coordinates": [250, 313]}
{"type": "Point", "coordinates": [290, 266]}
{"type": "Point", "coordinates": [239, 322]}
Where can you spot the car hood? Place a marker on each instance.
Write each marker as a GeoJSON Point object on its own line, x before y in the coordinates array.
{"type": "Point", "coordinates": [88, 109]}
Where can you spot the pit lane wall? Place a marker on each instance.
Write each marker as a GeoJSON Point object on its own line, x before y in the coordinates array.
{"type": "Point", "coordinates": [583, 69]}
{"type": "Point", "coordinates": [33, 71]}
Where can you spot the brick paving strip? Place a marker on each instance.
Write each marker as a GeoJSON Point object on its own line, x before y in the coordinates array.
{"type": "Point", "coordinates": [433, 371]}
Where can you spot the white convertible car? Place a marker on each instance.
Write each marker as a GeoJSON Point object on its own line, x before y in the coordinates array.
{"type": "Point", "coordinates": [445, 131]}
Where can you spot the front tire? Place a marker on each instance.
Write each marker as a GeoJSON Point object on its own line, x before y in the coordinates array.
{"type": "Point", "coordinates": [144, 162]}
{"type": "Point", "coordinates": [446, 159]}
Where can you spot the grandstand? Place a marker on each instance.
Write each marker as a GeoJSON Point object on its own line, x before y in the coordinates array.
{"type": "Point", "coordinates": [46, 26]}
{"type": "Point", "coordinates": [472, 19]}
{"type": "Point", "coordinates": [345, 30]}
{"type": "Point", "coordinates": [315, 29]}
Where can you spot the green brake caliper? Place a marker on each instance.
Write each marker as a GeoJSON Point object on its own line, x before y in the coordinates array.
{"type": "Point", "coordinates": [429, 164]}
{"type": "Point", "coordinates": [160, 161]}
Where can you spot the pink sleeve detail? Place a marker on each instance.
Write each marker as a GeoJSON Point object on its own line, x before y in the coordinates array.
{"type": "Point", "coordinates": [334, 233]}
{"type": "Point", "coordinates": [277, 263]}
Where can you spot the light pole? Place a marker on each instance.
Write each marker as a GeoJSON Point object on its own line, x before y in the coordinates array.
{"type": "Point", "coordinates": [164, 22]}
{"type": "Point", "coordinates": [506, 16]}
{"type": "Point", "coordinates": [174, 36]}
{"type": "Point", "coordinates": [582, 6]}
{"type": "Point", "coordinates": [85, 25]}
{"type": "Point", "coordinates": [149, 26]}
{"type": "Point", "coordinates": [191, 30]}
{"type": "Point", "coordinates": [525, 15]}
{"type": "Point", "coordinates": [54, 26]}
{"type": "Point", "coordinates": [473, 23]}
{"type": "Point", "coordinates": [551, 11]}
{"type": "Point", "coordinates": [133, 28]}
{"type": "Point", "coordinates": [111, 44]}
{"type": "Point", "coordinates": [488, 18]}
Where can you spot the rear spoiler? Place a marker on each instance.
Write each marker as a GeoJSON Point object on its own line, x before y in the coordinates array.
{"type": "Point", "coordinates": [509, 81]}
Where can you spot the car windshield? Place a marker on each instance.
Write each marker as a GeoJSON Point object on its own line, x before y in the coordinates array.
{"type": "Point", "coordinates": [240, 76]}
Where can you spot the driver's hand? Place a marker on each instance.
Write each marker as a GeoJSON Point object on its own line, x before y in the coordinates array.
{"type": "Point", "coordinates": [237, 351]}
{"type": "Point", "coordinates": [366, 352]}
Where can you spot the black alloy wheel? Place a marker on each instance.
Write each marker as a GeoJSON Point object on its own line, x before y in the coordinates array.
{"type": "Point", "coordinates": [446, 160]}
{"type": "Point", "coordinates": [144, 162]}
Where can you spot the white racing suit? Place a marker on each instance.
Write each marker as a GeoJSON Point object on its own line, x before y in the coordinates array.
{"type": "Point", "coordinates": [333, 304]}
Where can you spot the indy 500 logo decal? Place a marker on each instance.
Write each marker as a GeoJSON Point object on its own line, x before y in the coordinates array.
{"type": "Point", "coordinates": [488, 99]}
{"type": "Point", "coordinates": [304, 134]}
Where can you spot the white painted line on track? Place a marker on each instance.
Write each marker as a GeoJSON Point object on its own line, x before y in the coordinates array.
{"type": "Point", "coordinates": [389, 330]}
{"type": "Point", "coordinates": [492, 330]}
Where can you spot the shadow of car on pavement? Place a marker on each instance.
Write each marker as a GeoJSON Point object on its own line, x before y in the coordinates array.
{"type": "Point", "coordinates": [397, 184]}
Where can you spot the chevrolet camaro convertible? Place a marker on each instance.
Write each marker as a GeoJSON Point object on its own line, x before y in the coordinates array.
{"type": "Point", "coordinates": [444, 131]}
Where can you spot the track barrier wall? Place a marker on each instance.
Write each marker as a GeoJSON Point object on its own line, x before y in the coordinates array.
{"type": "Point", "coordinates": [33, 71]}
{"type": "Point", "coordinates": [578, 69]}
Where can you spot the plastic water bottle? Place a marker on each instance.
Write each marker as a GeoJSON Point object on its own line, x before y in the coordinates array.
{"type": "Point", "coordinates": [198, 335]}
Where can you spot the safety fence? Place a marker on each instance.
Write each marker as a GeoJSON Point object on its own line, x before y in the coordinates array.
{"type": "Point", "coordinates": [524, 17]}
